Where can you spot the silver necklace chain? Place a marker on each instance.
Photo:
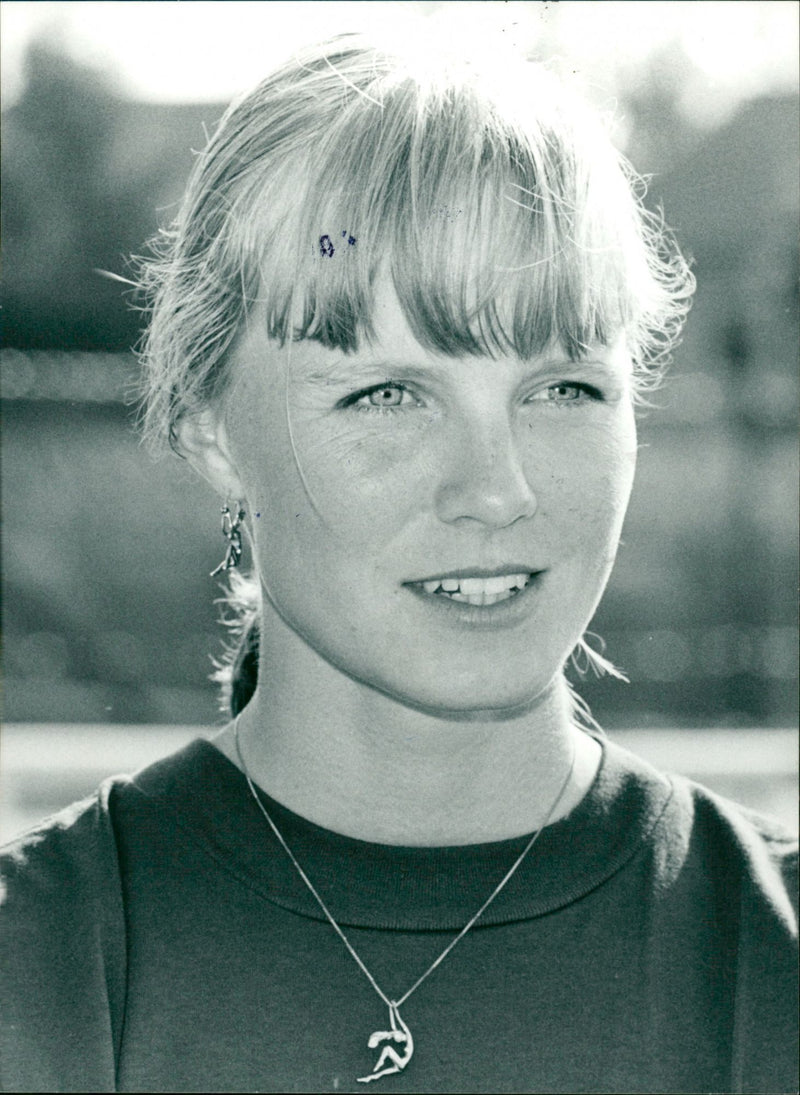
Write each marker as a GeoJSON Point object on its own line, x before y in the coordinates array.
{"type": "Point", "coordinates": [393, 1005]}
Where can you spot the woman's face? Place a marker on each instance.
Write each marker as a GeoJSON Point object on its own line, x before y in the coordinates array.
{"type": "Point", "coordinates": [439, 529]}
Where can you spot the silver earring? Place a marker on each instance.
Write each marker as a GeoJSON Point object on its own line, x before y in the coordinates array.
{"type": "Point", "coordinates": [231, 530]}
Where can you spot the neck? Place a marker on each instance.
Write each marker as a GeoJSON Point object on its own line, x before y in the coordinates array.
{"type": "Point", "coordinates": [358, 762]}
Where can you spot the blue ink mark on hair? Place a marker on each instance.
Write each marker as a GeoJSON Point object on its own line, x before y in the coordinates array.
{"type": "Point", "coordinates": [326, 248]}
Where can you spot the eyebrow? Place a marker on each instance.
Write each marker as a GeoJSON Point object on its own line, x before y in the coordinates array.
{"type": "Point", "coordinates": [352, 372]}
{"type": "Point", "coordinates": [368, 373]}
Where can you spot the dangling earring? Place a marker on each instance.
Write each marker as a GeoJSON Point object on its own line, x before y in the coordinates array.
{"type": "Point", "coordinates": [232, 533]}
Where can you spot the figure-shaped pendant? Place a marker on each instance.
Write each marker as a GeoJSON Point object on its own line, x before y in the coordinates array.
{"type": "Point", "coordinates": [390, 1060]}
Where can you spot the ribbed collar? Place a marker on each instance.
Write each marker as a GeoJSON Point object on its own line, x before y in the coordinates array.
{"type": "Point", "coordinates": [410, 888]}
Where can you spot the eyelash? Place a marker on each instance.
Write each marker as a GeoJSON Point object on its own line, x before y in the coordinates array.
{"type": "Point", "coordinates": [589, 390]}
{"type": "Point", "coordinates": [355, 399]}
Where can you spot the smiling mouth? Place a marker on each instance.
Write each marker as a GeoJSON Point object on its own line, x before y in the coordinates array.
{"type": "Point", "coordinates": [477, 591]}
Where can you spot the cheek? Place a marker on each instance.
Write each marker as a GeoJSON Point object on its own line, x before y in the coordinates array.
{"type": "Point", "coordinates": [585, 491]}
{"type": "Point", "coordinates": [325, 495]}
{"type": "Point", "coordinates": [368, 474]}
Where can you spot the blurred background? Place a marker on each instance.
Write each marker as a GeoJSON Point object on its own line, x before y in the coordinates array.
{"type": "Point", "coordinates": [109, 616]}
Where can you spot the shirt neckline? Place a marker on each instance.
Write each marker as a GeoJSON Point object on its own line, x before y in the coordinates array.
{"type": "Point", "coordinates": [405, 888]}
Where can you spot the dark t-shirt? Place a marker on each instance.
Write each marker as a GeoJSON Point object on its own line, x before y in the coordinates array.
{"type": "Point", "coordinates": [157, 938]}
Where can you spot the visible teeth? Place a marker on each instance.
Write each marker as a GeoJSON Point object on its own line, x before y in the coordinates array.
{"type": "Point", "coordinates": [473, 586]}
{"type": "Point", "coordinates": [478, 591]}
{"type": "Point", "coordinates": [482, 598]}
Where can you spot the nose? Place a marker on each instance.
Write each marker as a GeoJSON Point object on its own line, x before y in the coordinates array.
{"type": "Point", "coordinates": [483, 479]}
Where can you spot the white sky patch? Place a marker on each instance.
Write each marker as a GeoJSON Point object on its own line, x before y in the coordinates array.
{"type": "Point", "coordinates": [209, 50]}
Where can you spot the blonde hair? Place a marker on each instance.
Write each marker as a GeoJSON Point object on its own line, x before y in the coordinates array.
{"type": "Point", "coordinates": [497, 205]}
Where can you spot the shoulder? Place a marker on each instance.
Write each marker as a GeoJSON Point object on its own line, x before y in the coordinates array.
{"type": "Point", "coordinates": [73, 856]}
{"type": "Point", "coordinates": [74, 846]}
{"type": "Point", "coordinates": [720, 886]}
{"type": "Point", "coordinates": [687, 826]}
{"type": "Point", "coordinates": [703, 854]}
{"type": "Point", "coordinates": [742, 866]}
{"type": "Point", "coordinates": [63, 932]}
{"type": "Point", "coordinates": [63, 941]}
{"type": "Point", "coordinates": [754, 853]}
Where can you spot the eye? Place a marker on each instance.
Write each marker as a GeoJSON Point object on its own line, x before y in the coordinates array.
{"type": "Point", "coordinates": [386, 396]}
{"type": "Point", "coordinates": [567, 391]}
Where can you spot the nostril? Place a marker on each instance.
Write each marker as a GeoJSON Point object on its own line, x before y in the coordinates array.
{"type": "Point", "coordinates": [494, 504]}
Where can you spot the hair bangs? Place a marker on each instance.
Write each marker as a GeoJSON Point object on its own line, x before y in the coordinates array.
{"type": "Point", "coordinates": [493, 242]}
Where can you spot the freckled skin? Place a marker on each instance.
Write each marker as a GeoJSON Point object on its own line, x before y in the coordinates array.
{"type": "Point", "coordinates": [478, 467]}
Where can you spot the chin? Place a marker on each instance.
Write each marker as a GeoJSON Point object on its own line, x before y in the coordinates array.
{"type": "Point", "coordinates": [477, 704]}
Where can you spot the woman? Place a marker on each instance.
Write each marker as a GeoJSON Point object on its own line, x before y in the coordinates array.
{"type": "Point", "coordinates": [400, 325]}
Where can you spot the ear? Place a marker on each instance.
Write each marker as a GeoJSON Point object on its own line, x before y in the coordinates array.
{"type": "Point", "coordinates": [203, 441]}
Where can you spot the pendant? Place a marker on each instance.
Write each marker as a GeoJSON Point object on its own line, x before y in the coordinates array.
{"type": "Point", "coordinates": [390, 1059]}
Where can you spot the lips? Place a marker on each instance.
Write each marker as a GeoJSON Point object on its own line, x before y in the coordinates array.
{"type": "Point", "coordinates": [476, 588]}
